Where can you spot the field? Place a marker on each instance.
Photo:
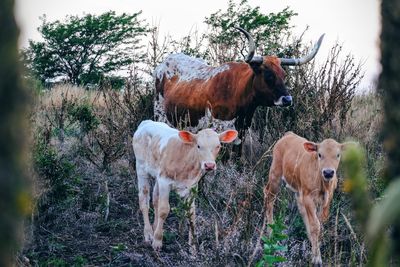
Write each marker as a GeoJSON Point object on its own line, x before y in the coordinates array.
{"type": "Point", "coordinates": [89, 96]}
{"type": "Point", "coordinates": [87, 211]}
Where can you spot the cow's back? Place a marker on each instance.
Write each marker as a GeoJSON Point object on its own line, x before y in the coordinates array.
{"type": "Point", "coordinates": [186, 68]}
{"type": "Point", "coordinates": [291, 159]}
{"type": "Point", "coordinates": [149, 140]}
{"type": "Point", "coordinates": [289, 144]}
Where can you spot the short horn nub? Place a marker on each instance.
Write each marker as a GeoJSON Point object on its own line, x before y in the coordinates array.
{"type": "Point", "coordinates": [305, 59]}
{"type": "Point", "coordinates": [252, 45]}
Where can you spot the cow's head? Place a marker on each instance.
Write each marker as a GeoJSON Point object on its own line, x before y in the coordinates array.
{"type": "Point", "coordinates": [207, 144]}
{"type": "Point", "coordinates": [269, 78]}
{"type": "Point", "coordinates": [328, 153]}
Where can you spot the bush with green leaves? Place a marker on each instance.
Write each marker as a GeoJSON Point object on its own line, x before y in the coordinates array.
{"type": "Point", "coordinates": [273, 245]}
{"type": "Point", "coordinates": [268, 31]}
{"type": "Point", "coordinates": [84, 114]}
{"type": "Point", "coordinates": [55, 170]}
{"type": "Point", "coordinates": [86, 50]}
{"type": "Point", "coordinates": [223, 43]}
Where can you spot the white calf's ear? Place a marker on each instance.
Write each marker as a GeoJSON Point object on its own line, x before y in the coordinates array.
{"type": "Point", "coordinates": [310, 146]}
{"type": "Point", "coordinates": [228, 136]}
{"type": "Point", "coordinates": [187, 137]}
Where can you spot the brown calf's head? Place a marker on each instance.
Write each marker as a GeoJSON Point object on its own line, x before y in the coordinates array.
{"type": "Point", "coordinates": [207, 143]}
{"type": "Point", "coordinates": [269, 76]}
{"type": "Point", "coordinates": [328, 153]}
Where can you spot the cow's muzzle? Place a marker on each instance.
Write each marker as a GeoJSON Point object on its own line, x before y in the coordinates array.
{"type": "Point", "coordinates": [209, 166]}
{"type": "Point", "coordinates": [328, 173]}
{"type": "Point", "coordinates": [284, 101]}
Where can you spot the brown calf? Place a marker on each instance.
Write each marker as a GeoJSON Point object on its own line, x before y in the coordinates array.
{"type": "Point", "coordinates": [309, 170]}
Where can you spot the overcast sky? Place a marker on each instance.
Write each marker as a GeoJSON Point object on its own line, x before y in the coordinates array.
{"type": "Point", "coordinates": [354, 23]}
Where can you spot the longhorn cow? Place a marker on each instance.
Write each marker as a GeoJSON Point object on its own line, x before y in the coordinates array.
{"type": "Point", "coordinates": [234, 89]}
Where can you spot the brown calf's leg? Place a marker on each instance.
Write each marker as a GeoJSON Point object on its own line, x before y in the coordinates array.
{"type": "Point", "coordinates": [324, 214]}
{"type": "Point", "coordinates": [162, 213]}
{"type": "Point", "coordinates": [144, 199]}
{"type": "Point", "coordinates": [271, 190]}
{"type": "Point", "coordinates": [327, 200]}
{"type": "Point", "coordinates": [308, 212]}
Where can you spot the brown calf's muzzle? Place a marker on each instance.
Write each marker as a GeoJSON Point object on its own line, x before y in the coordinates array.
{"type": "Point", "coordinates": [328, 173]}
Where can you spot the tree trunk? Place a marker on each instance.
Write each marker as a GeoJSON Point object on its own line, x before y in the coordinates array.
{"type": "Point", "coordinates": [15, 196]}
{"type": "Point", "coordinates": [389, 86]}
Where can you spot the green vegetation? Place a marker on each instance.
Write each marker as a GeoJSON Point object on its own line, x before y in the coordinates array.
{"type": "Point", "coordinates": [83, 114]}
{"type": "Point", "coordinates": [86, 50]}
{"type": "Point", "coordinates": [268, 30]}
{"type": "Point", "coordinates": [272, 245]}
{"type": "Point", "coordinates": [84, 165]}
{"type": "Point", "coordinates": [55, 170]}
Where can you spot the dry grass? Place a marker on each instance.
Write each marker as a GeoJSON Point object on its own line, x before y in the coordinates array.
{"type": "Point", "coordinates": [364, 119]}
{"type": "Point", "coordinates": [99, 221]}
{"type": "Point", "coordinates": [71, 93]}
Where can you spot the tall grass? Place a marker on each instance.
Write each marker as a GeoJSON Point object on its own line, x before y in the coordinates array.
{"type": "Point", "coordinates": [101, 198]}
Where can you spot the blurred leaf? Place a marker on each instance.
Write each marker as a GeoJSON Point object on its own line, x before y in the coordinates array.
{"type": "Point", "coordinates": [385, 212]}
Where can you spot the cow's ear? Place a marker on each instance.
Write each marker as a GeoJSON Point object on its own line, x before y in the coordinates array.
{"type": "Point", "coordinates": [346, 145]}
{"type": "Point", "coordinates": [228, 136]}
{"type": "Point", "coordinates": [310, 146]}
{"type": "Point", "coordinates": [187, 137]}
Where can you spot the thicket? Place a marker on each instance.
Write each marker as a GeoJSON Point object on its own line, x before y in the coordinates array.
{"type": "Point", "coordinates": [87, 210]}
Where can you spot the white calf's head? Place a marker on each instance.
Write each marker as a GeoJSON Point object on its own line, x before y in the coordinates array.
{"type": "Point", "coordinates": [207, 144]}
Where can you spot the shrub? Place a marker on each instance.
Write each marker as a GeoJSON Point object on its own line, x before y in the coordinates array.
{"type": "Point", "coordinates": [272, 245]}
{"type": "Point", "coordinates": [84, 114]}
{"type": "Point", "coordinates": [56, 171]}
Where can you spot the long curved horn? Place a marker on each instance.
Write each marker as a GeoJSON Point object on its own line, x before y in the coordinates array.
{"type": "Point", "coordinates": [305, 59]}
{"type": "Point", "coordinates": [252, 45]}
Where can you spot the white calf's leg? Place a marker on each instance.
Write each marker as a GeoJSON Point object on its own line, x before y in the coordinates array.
{"type": "Point", "coordinates": [162, 212]}
{"type": "Point", "coordinates": [192, 226]}
{"type": "Point", "coordinates": [144, 199]}
{"type": "Point", "coordinates": [155, 205]}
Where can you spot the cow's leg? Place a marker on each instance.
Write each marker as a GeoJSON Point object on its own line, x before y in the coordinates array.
{"type": "Point", "coordinates": [271, 190]}
{"type": "Point", "coordinates": [162, 212]}
{"type": "Point", "coordinates": [144, 199]}
{"type": "Point", "coordinates": [192, 226]}
{"type": "Point", "coordinates": [309, 213]}
{"type": "Point", "coordinates": [155, 205]}
{"type": "Point", "coordinates": [324, 213]}
{"type": "Point", "coordinates": [327, 201]}
{"type": "Point", "coordinates": [239, 125]}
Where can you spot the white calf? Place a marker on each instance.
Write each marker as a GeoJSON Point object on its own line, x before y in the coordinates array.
{"type": "Point", "coordinates": [176, 159]}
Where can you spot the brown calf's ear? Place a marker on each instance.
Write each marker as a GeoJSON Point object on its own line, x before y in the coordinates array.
{"type": "Point", "coordinates": [228, 136]}
{"type": "Point", "coordinates": [310, 146]}
{"type": "Point", "coordinates": [187, 137]}
{"type": "Point", "coordinates": [346, 145]}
